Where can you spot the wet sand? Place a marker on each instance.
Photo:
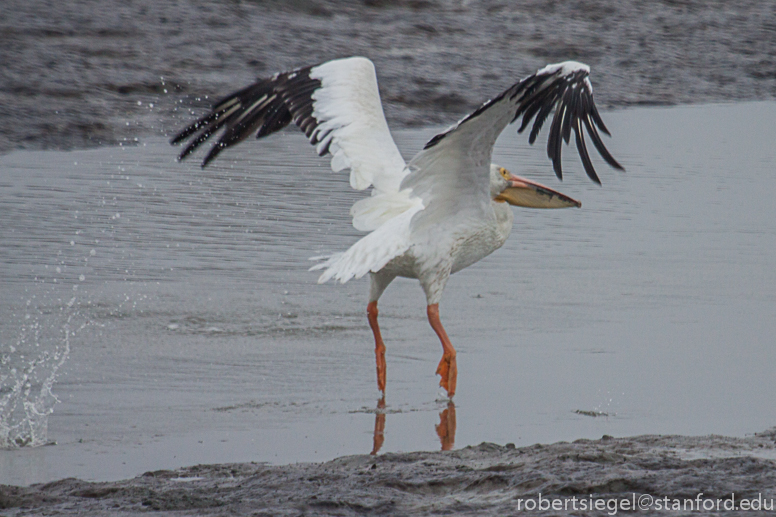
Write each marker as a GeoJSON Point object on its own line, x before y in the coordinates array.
{"type": "Point", "coordinates": [645, 472]}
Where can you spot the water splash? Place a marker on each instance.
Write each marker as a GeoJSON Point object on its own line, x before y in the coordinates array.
{"type": "Point", "coordinates": [26, 381]}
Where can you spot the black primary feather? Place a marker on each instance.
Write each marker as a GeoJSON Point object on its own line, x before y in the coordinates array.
{"type": "Point", "coordinates": [580, 141]}
{"type": "Point", "coordinates": [264, 107]}
{"type": "Point", "coordinates": [572, 100]}
{"type": "Point", "coordinates": [535, 98]}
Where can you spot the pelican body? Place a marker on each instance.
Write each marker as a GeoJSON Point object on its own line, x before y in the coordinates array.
{"type": "Point", "coordinates": [444, 210]}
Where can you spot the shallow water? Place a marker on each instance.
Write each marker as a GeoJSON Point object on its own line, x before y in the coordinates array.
{"type": "Point", "coordinates": [197, 335]}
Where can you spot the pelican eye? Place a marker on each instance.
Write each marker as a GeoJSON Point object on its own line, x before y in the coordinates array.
{"type": "Point", "coordinates": [504, 173]}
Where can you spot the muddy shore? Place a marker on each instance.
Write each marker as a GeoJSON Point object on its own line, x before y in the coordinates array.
{"type": "Point", "coordinates": [650, 472]}
{"type": "Point", "coordinates": [84, 73]}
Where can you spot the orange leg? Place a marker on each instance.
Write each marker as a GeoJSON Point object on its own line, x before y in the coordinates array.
{"type": "Point", "coordinates": [371, 311]}
{"type": "Point", "coordinates": [447, 368]}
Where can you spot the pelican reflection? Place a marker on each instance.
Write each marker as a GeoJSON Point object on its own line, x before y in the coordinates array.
{"type": "Point", "coordinates": [379, 436]}
{"type": "Point", "coordinates": [445, 429]}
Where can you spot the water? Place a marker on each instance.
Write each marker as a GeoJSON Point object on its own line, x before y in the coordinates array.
{"type": "Point", "coordinates": [196, 334]}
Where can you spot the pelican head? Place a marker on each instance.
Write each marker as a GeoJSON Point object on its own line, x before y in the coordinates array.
{"type": "Point", "coordinates": [517, 191]}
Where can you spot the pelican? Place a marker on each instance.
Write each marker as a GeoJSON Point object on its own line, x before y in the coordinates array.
{"type": "Point", "coordinates": [441, 212]}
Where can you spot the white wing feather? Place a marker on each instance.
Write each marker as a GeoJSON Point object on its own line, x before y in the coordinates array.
{"type": "Point", "coordinates": [372, 252]}
{"type": "Point", "coordinates": [348, 110]}
{"type": "Point", "coordinates": [347, 107]}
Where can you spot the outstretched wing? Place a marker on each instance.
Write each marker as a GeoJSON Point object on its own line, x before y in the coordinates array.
{"type": "Point", "coordinates": [336, 104]}
{"type": "Point", "coordinates": [563, 86]}
{"type": "Point", "coordinates": [452, 172]}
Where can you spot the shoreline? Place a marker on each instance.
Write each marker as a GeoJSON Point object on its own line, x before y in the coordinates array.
{"type": "Point", "coordinates": [487, 479]}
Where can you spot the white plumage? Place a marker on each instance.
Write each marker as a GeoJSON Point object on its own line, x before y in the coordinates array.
{"type": "Point", "coordinates": [443, 211]}
{"type": "Point", "coordinates": [348, 110]}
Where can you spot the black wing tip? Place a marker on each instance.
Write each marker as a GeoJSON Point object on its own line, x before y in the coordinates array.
{"type": "Point", "coordinates": [263, 107]}
{"type": "Point", "coordinates": [556, 166]}
{"type": "Point", "coordinates": [434, 140]}
{"type": "Point", "coordinates": [572, 101]}
{"type": "Point", "coordinates": [186, 132]}
{"type": "Point", "coordinates": [214, 151]}
{"type": "Point", "coordinates": [615, 164]}
{"type": "Point", "coordinates": [594, 177]}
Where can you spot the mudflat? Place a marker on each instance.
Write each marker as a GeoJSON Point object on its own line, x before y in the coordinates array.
{"type": "Point", "coordinates": [81, 73]}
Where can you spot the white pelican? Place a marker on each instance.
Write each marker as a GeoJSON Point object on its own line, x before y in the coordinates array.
{"type": "Point", "coordinates": [442, 211]}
